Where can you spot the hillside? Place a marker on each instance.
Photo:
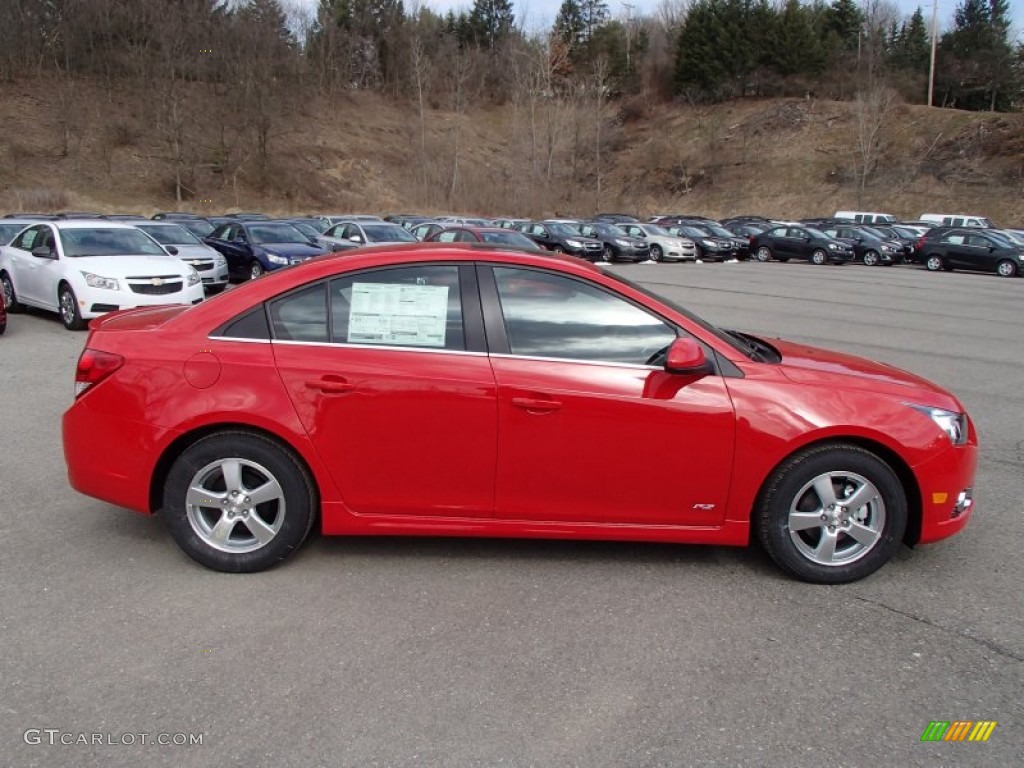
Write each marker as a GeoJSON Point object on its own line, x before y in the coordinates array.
{"type": "Point", "coordinates": [82, 146]}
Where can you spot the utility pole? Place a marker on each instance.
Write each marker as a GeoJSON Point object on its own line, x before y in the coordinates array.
{"type": "Point", "coordinates": [931, 69]}
{"type": "Point", "coordinates": [629, 7]}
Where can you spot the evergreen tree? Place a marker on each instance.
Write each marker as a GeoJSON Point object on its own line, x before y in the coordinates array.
{"type": "Point", "coordinates": [794, 48]}
{"type": "Point", "coordinates": [842, 22]}
{"type": "Point", "coordinates": [491, 21]}
{"type": "Point", "coordinates": [594, 14]}
{"type": "Point", "coordinates": [911, 50]}
{"type": "Point", "coordinates": [977, 62]}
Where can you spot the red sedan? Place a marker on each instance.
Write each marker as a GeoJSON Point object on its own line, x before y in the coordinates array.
{"type": "Point", "coordinates": [454, 391]}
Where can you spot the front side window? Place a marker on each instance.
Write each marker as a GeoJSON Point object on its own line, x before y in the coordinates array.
{"type": "Point", "coordinates": [29, 238]}
{"type": "Point", "coordinates": [549, 315]}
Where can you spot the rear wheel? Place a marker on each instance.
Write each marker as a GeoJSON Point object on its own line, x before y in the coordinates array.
{"type": "Point", "coordinates": [763, 254]}
{"type": "Point", "coordinates": [238, 502]}
{"type": "Point", "coordinates": [871, 258]}
{"type": "Point", "coordinates": [819, 256]}
{"type": "Point", "coordinates": [1006, 268]}
{"type": "Point", "coordinates": [933, 263]}
{"type": "Point", "coordinates": [832, 514]}
{"type": "Point", "coordinates": [10, 298]}
{"type": "Point", "coordinates": [70, 314]}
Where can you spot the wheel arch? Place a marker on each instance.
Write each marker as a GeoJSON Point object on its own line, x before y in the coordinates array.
{"type": "Point", "coordinates": [895, 462]}
{"type": "Point", "coordinates": [158, 477]}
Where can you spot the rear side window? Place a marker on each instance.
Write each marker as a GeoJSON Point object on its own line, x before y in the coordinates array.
{"type": "Point", "coordinates": [251, 325]}
{"type": "Point", "coordinates": [301, 315]}
{"type": "Point", "coordinates": [418, 306]}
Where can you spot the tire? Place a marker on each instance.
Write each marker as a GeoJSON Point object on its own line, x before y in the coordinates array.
{"type": "Point", "coordinates": [1006, 268]}
{"type": "Point", "coordinates": [763, 254]}
{"type": "Point", "coordinates": [3, 328]}
{"type": "Point", "coordinates": [256, 270]}
{"type": "Point", "coordinates": [67, 304]}
{"type": "Point", "coordinates": [558, 249]}
{"type": "Point", "coordinates": [10, 298]}
{"type": "Point", "coordinates": [818, 256]}
{"type": "Point", "coordinates": [607, 255]}
{"type": "Point", "coordinates": [871, 258]}
{"type": "Point", "coordinates": [238, 535]}
{"type": "Point", "coordinates": [656, 253]}
{"type": "Point", "coordinates": [824, 551]}
{"type": "Point", "coordinates": [933, 263]}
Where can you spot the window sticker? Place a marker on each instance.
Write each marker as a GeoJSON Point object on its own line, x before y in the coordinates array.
{"type": "Point", "coordinates": [403, 315]}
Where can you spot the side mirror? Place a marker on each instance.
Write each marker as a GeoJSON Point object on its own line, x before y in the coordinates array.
{"type": "Point", "coordinates": [356, 239]}
{"type": "Point", "coordinates": [686, 356]}
{"type": "Point", "coordinates": [42, 252]}
{"type": "Point", "coordinates": [172, 250]}
{"type": "Point", "coordinates": [991, 249]}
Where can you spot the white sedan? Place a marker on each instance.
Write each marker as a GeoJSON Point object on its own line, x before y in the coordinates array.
{"type": "Point", "coordinates": [664, 245]}
{"type": "Point", "coordinates": [85, 268]}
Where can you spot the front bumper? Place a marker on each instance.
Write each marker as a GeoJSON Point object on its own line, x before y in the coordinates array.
{"type": "Point", "coordinates": [947, 495]}
{"type": "Point", "coordinates": [96, 302]}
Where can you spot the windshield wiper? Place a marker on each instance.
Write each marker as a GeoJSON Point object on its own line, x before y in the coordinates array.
{"type": "Point", "coordinates": [759, 351]}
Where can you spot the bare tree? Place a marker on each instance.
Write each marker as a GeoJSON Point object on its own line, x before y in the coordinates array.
{"type": "Point", "coordinates": [873, 110]}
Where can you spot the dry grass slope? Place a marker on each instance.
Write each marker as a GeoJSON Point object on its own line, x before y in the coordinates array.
{"type": "Point", "coordinates": [787, 158]}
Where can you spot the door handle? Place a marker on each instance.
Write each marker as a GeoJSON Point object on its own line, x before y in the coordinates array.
{"type": "Point", "coordinates": [536, 405]}
{"type": "Point", "coordinates": [330, 385]}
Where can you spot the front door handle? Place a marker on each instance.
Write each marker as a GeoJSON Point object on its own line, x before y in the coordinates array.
{"type": "Point", "coordinates": [536, 405]}
{"type": "Point", "coordinates": [330, 385]}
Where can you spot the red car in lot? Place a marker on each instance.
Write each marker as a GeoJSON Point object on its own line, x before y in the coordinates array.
{"type": "Point", "coordinates": [3, 314]}
{"type": "Point", "coordinates": [468, 391]}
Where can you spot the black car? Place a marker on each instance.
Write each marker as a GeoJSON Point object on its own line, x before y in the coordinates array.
{"type": "Point", "coordinates": [708, 246]}
{"type": "Point", "coordinates": [907, 238]}
{"type": "Point", "coordinates": [868, 247]}
{"type": "Point", "coordinates": [254, 247]}
{"type": "Point", "coordinates": [618, 244]}
{"type": "Point", "coordinates": [741, 243]}
{"type": "Point", "coordinates": [786, 242]}
{"type": "Point", "coordinates": [616, 218]}
{"type": "Point", "coordinates": [560, 237]}
{"type": "Point", "coordinates": [972, 249]}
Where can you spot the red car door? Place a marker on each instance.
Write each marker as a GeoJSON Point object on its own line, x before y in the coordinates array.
{"type": "Point", "coordinates": [389, 378]}
{"type": "Point", "coordinates": [589, 431]}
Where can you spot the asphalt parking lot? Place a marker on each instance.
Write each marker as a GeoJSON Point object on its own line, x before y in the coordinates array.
{"type": "Point", "coordinates": [395, 652]}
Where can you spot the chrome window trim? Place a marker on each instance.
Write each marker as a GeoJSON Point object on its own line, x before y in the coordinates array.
{"type": "Point", "coordinates": [387, 347]}
{"type": "Point", "coordinates": [604, 363]}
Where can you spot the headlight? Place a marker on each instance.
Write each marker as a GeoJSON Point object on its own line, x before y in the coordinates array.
{"type": "Point", "coordinates": [835, 246]}
{"type": "Point", "coordinates": [220, 261]}
{"type": "Point", "coordinates": [574, 243]}
{"type": "Point", "coordinates": [708, 244]}
{"type": "Point", "coordinates": [623, 243]}
{"type": "Point", "coordinates": [888, 248]}
{"type": "Point", "coordinates": [686, 243]}
{"type": "Point", "coordinates": [95, 281]}
{"type": "Point", "coordinates": [953, 424]}
{"type": "Point", "coordinates": [193, 276]}
{"type": "Point", "coordinates": [273, 258]}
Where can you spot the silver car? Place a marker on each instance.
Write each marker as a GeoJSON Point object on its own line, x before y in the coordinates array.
{"type": "Point", "coordinates": [347, 234]}
{"type": "Point", "coordinates": [664, 245]}
{"type": "Point", "coordinates": [211, 265]}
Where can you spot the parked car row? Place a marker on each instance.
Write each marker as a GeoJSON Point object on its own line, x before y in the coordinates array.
{"type": "Point", "coordinates": [83, 264]}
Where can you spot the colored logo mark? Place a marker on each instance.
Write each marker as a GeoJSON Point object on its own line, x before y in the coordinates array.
{"type": "Point", "coordinates": [958, 730]}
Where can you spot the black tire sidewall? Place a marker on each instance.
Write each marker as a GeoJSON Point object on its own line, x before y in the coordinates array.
{"type": "Point", "coordinates": [300, 500]}
{"type": "Point", "coordinates": [76, 324]}
{"type": "Point", "coordinates": [773, 513]}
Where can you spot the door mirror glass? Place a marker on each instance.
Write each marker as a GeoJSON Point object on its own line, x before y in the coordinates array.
{"type": "Point", "coordinates": [42, 252]}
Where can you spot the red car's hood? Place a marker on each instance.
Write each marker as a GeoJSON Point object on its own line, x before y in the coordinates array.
{"type": "Point", "coordinates": [810, 365]}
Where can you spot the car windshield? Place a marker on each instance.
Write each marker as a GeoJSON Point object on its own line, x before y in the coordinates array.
{"type": "Point", "coordinates": [654, 229]}
{"type": "Point", "coordinates": [814, 232]}
{"type": "Point", "coordinates": [563, 230]}
{"type": "Point", "coordinates": [307, 229]}
{"type": "Point", "coordinates": [508, 237]}
{"type": "Point", "coordinates": [103, 241]}
{"type": "Point", "coordinates": [276, 233]}
{"type": "Point", "coordinates": [169, 234]}
{"type": "Point", "coordinates": [717, 230]}
{"type": "Point", "coordinates": [1009, 237]}
{"type": "Point", "coordinates": [689, 232]}
{"type": "Point", "coordinates": [198, 227]}
{"type": "Point", "coordinates": [388, 233]}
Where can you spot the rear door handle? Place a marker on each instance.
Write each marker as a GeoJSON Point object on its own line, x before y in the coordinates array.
{"type": "Point", "coordinates": [536, 405]}
{"type": "Point", "coordinates": [330, 385]}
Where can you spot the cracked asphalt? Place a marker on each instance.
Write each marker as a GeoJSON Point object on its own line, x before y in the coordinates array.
{"type": "Point", "coordinates": [424, 652]}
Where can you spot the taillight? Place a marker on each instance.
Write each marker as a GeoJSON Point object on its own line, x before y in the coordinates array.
{"type": "Point", "coordinates": [93, 367]}
{"type": "Point", "coordinates": [919, 245]}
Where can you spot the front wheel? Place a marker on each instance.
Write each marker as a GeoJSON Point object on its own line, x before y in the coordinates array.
{"type": "Point", "coordinates": [656, 253]}
{"type": "Point", "coordinates": [1006, 268]}
{"type": "Point", "coordinates": [871, 259]}
{"type": "Point", "coordinates": [832, 514]}
{"type": "Point", "coordinates": [763, 254]}
{"type": "Point", "coordinates": [70, 314]}
{"type": "Point", "coordinates": [819, 256]}
{"type": "Point", "coordinates": [255, 270]}
{"type": "Point", "coordinates": [237, 502]}
{"type": "Point", "coordinates": [607, 255]}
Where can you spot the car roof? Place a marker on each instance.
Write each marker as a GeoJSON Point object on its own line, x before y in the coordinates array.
{"type": "Point", "coordinates": [89, 224]}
